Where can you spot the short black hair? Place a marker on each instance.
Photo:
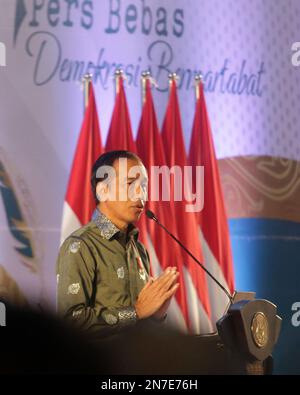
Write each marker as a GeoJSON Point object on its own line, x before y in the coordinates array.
{"type": "Point", "coordinates": [108, 159]}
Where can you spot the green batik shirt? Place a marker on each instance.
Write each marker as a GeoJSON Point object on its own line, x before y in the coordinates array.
{"type": "Point", "coordinates": [100, 273]}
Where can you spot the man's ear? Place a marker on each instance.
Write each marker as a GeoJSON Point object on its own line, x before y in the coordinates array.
{"type": "Point", "coordinates": [102, 191]}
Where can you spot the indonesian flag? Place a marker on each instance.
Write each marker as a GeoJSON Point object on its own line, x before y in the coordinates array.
{"type": "Point", "coordinates": [163, 250]}
{"type": "Point", "coordinates": [212, 220]}
{"type": "Point", "coordinates": [186, 224]}
{"type": "Point", "coordinates": [120, 132]}
{"type": "Point", "coordinates": [79, 202]}
{"type": "Point", "coordinates": [120, 135]}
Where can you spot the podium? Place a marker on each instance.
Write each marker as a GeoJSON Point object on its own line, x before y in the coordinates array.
{"type": "Point", "coordinates": [245, 338]}
{"type": "Point", "coordinates": [243, 344]}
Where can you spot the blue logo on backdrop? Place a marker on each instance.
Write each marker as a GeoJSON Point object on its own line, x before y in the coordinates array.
{"type": "Point", "coordinates": [131, 17]}
{"type": "Point", "coordinates": [19, 17]}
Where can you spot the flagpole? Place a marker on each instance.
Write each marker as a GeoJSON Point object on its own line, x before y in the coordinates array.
{"type": "Point", "coordinates": [173, 77]}
{"type": "Point", "coordinates": [145, 76]}
{"type": "Point", "coordinates": [198, 81]}
{"type": "Point", "coordinates": [86, 80]}
{"type": "Point", "coordinates": [118, 74]}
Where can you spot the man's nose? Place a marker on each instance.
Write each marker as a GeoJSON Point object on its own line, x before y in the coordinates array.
{"type": "Point", "coordinates": [143, 193]}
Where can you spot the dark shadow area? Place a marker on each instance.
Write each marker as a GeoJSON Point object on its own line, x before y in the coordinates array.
{"type": "Point", "coordinates": [41, 343]}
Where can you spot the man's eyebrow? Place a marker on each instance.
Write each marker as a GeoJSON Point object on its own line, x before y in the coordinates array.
{"type": "Point", "coordinates": [139, 175]}
{"type": "Point", "coordinates": [132, 178]}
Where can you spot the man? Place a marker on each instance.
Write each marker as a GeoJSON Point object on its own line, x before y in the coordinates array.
{"type": "Point", "coordinates": [103, 270]}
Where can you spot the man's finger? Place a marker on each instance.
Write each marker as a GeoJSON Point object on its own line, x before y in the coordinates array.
{"type": "Point", "coordinates": [165, 281]}
{"type": "Point", "coordinates": [167, 270]}
{"type": "Point", "coordinates": [171, 268]}
{"type": "Point", "coordinates": [148, 283]}
{"type": "Point", "coordinates": [171, 292]}
{"type": "Point", "coordinates": [171, 281]}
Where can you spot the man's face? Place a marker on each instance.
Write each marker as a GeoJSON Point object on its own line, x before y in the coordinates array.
{"type": "Point", "coordinates": [125, 191]}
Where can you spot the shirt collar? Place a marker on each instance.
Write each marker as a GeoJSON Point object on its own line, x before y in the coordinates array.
{"type": "Point", "coordinates": [108, 229]}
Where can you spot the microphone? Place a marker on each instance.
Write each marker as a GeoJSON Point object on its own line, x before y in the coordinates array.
{"type": "Point", "coordinates": [152, 216]}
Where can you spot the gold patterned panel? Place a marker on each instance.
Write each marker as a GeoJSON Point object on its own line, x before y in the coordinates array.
{"type": "Point", "coordinates": [261, 186]}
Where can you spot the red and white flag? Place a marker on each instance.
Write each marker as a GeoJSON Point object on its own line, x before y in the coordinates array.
{"type": "Point", "coordinates": [79, 201]}
{"type": "Point", "coordinates": [186, 224]}
{"type": "Point", "coordinates": [120, 135]}
{"type": "Point", "coordinates": [120, 131]}
{"type": "Point", "coordinates": [162, 249]}
{"type": "Point", "coordinates": [212, 220]}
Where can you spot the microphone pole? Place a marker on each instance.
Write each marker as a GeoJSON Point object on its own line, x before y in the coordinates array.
{"type": "Point", "coordinates": [151, 215]}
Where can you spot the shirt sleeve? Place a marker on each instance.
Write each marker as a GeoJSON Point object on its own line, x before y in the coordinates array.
{"type": "Point", "coordinates": [76, 286]}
